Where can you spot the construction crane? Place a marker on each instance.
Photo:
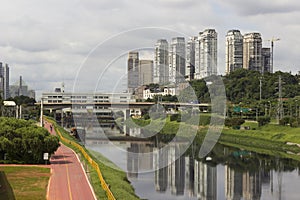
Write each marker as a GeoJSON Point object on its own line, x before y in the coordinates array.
{"type": "Point", "coordinates": [272, 52]}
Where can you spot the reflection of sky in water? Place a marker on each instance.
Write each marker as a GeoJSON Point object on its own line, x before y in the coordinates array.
{"type": "Point", "coordinates": [214, 182]}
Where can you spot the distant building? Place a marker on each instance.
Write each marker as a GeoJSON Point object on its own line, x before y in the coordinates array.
{"type": "Point", "coordinates": [86, 98]}
{"type": "Point", "coordinates": [20, 88]}
{"type": "Point", "coordinates": [145, 72]}
{"type": "Point", "coordinates": [147, 93]}
{"type": "Point", "coordinates": [133, 71]}
{"type": "Point", "coordinates": [234, 50]}
{"type": "Point", "coordinates": [190, 58]}
{"type": "Point", "coordinates": [85, 106]}
{"type": "Point", "coordinates": [139, 92]}
{"type": "Point", "coordinates": [161, 62]}
{"type": "Point", "coordinates": [206, 54]}
{"type": "Point", "coordinates": [4, 81]}
{"type": "Point", "coordinates": [252, 55]}
{"type": "Point", "coordinates": [266, 60]}
{"type": "Point", "coordinates": [177, 60]}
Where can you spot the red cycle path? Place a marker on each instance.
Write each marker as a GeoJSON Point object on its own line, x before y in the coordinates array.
{"type": "Point", "coordinates": [68, 179]}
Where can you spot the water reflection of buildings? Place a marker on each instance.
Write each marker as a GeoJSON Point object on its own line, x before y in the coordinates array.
{"type": "Point", "coordinates": [185, 176]}
{"type": "Point", "coordinates": [233, 184]}
{"type": "Point", "coordinates": [176, 171]}
{"type": "Point", "coordinates": [139, 159]}
{"type": "Point", "coordinates": [205, 181]}
{"type": "Point", "coordinates": [247, 184]}
{"type": "Point", "coordinates": [251, 185]}
{"type": "Point", "coordinates": [192, 178]}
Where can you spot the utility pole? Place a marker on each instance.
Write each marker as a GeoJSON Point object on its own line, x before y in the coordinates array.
{"type": "Point", "coordinates": [260, 86]}
{"type": "Point", "coordinates": [280, 104]}
{"type": "Point", "coordinates": [272, 52]}
{"type": "Point", "coordinates": [41, 119]}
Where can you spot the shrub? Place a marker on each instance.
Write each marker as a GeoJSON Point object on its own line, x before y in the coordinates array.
{"type": "Point", "coordinates": [294, 122]}
{"type": "Point", "coordinates": [234, 122]}
{"type": "Point", "coordinates": [284, 121]}
{"type": "Point", "coordinates": [175, 117]}
{"type": "Point", "coordinates": [263, 120]}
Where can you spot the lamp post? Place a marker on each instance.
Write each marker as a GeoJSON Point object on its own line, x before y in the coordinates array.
{"type": "Point", "coordinates": [41, 117]}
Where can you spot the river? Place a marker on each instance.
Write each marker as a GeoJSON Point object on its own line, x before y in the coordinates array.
{"type": "Point", "coordinates": [226, 173]}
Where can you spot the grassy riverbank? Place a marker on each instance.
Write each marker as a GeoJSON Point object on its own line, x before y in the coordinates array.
{"type": "Point", "coordinates": [270, 139]}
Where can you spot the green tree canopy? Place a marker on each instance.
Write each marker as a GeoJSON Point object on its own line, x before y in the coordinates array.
{"type": "Point", "coordinates": [22, 141]}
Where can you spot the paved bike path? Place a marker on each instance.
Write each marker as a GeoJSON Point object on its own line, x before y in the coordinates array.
{"type": "Point", "coordinates": [68, 179]}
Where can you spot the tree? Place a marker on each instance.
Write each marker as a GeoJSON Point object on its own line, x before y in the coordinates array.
{"type": "Point", "coordinates": [22, 141]}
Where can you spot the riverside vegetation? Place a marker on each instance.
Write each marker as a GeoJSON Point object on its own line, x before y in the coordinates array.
{"type": "Point", "coordinates": [269, 139]}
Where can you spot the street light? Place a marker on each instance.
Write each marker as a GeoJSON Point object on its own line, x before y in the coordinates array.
{"type": "Point", "coordinates": [41, 118]}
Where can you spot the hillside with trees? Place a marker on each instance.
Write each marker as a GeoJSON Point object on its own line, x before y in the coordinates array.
{"type": "Point", "coordinates": [244, 86]}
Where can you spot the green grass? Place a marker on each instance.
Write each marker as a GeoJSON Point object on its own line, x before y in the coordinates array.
{"type": "Point", "coordinates": [271, 132]}
{"type": "Point", "coordinates": [117, 179]}
{"type": "Point", "coordinates": [270, 139]}
{"type": "Point", "coordinates": [27, 182]}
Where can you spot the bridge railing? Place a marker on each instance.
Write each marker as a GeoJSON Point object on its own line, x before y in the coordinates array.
{"type": "Point", "coordinates": [94, 164]}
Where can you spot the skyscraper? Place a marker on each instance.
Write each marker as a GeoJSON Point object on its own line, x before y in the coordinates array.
{"type": "Point", "coordinates": [132, 71]}
{"type": "Point", "coordinates": [4, 80]}
{"type": "Point", "coordinates": [206, 54]}
{"type": "Point", "coordinates": [177, 60]}
{"type": "Point", "coordinates": [197, 58]}
{"type": "Point", "coordinates": [266, 60]}
{"type": "Point", "coordinates": [145, 72]}
{"type": "Point", "coordinates": [252, 46]}
{"type": "Point", "coordinates": [190, 58]}
{"type": "Point", "coordinates": [234, 50]}
{"type": "Point", "coordinates": [161, 62]}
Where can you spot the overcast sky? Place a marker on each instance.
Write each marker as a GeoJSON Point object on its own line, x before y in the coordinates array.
{"type": "Point", "coordinates": [53, 41]}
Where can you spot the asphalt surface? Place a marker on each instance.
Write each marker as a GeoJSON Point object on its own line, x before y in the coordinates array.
{"type": "Point", "coordinates": [68, 179]}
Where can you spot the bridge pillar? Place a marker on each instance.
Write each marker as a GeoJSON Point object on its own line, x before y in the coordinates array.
{"type": "Point", "coordinates": [126, 113]}
{"type": "Point", "coordinates": [54, 115]}
{"type": "Point", "coordinates": [62, 118]}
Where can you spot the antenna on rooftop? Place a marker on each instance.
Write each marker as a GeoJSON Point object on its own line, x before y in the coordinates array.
{"type": "Point", "coordinates": [272, 40]}
{"type": "Point", "coordinates": [62, 87]}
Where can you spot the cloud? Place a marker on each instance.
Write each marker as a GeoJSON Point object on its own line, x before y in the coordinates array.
{"type": "Point", "coordinates": [260, 7]}
{"type": "Point", "coordinates": [49, 41]}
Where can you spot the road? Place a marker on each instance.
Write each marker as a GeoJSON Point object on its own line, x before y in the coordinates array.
{"type": "Point", "coordinates": [68, 179]}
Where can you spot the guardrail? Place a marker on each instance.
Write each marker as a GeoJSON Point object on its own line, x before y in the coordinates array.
{"type": "Point", "coordinates": [95, 165]}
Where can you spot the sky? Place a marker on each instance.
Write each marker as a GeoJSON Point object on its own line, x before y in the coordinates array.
{"type": "Point", "coordinates": [84, 43]}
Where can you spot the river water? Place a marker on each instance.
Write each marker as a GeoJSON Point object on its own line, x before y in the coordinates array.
{"type": "Point", "coordinates": [227, 173]}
